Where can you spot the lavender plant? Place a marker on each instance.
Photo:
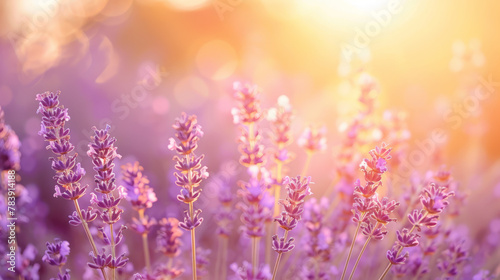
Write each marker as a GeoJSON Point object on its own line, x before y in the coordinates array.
{"type": "Point", "coordinates": [57, 255]}
{"type": "Point", "coordinates": [366, 204]}
{"type": "Point", "coordinates": [103, 153]}
{"type": "Point", "coordinates": [142, 197]}
{"type": "Point", "coordinates": [68, 171]}
{"type": "Point", "coordinates": [190, 174]}
{"type": "Point", "coordinates": [256, 210]}
{"type": "Point", "coordinates": [433, 201]}
{"type": "Point", "coordinates": [297, 191]}
{"type": "Point", "coordinates": [169, 244]}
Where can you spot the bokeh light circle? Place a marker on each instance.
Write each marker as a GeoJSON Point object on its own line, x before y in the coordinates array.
{"type": "Point", "coordinates": [216, 60]}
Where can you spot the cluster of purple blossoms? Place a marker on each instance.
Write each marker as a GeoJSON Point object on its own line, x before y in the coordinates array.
{"type": "Point", "coordinates": [255, 207]}
{"type": "Point", "coordinates": [168, 239]}
{"type": "Point", "coordinates": [168, 242]}
{"type": "Point", "coordinates": [317, 247]}
{"type": "Point", "coordinates": [371, 214]}
{"type": "Point", "coordinates": [202, 262]}
{"type": "Point", "coordinates": [368, 87]}
{"type": "Point", "coordinates": [281, 119]}
{"type": "Point", "coordinates": [224, 216]}
{"type": "Point", "coordinates": [10, 156]}
{"type": "Point", "coordinates": [191, 172]}
{"type": "Point", "coordinates": [190, 175]}
{"type": "Point", "coordinates": [136, 184]}
{"type": "Point", "coordinates": [68, 171]}
{"type": "Point", "coordinates": [367, 208]}
{"type": "Point", "coordinates": [57, 255]}
{"type": "Point", "coordinates": [297, 190]}
{"type": "Point", "coordinates": [451, 260]}
{"type": "Point", "coordinates": [103, 153]}
{"type": "Point", "coordinates": [433, 201]}
{"type": "Point", "coordinates": [255, 211]}
{"type": "Point", "coordinates": [140, 195]}
{"type": "Point", "coordinates": [246, 272]}
{"type": "Point", "coordinates": [248, 114]}
{"type": "Point", "coordinates": [313, 140]}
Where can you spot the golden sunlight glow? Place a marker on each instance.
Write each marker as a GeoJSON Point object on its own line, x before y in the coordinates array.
{"type": "Point", "coordinates": [188, 5]}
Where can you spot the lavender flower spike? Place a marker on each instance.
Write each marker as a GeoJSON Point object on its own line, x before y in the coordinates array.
{"type": "Point", "coordinates": [57, 255]}
{"type": "Point", "coordinates": [297, 190]}
{"type": "Point", "coordinates": [191, 173]}
{"type": "Point", "coordinates": [103, 153]}
{"type": "Point", "coordinates": [142, 197]}
{"type": "Point", "coordinates": [68, 172]}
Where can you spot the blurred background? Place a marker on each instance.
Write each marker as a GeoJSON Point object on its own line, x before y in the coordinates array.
{"type": "Point", "coordinates": [137, 64]}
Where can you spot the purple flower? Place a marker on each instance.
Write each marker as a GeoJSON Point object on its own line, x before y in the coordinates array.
{"type": "Point", "coordinates": [68, 172]}
{"type": "Point", "coordinates": [377, 233]}
{"type": "Point", "coordinates": [10, 156]}
{"type": "Point", "coordinates": [313, 140]}
{"type": "Point", "coordinates": [434, 198]}
{"type": "Point", "coordinates": [297, 190]}
{"type": "Point", "coordinates": [249, 110]}
{"type": "Point", "coordinates": [188, 133]}
{"type": "Point", "coordinates": [202, 262]}
{"type": "Point", "coordinates": [395, 258]}
{"type": "Point", "coordinates": [418, 218]}
{"type": "Point", "coordinates": [56, 253]}
{"type": "Point", "coordinates": [165, 272]}
{"type": "Point", "coordinates": [282, 246]}
{"type": "Point", "coordinates": [168, 239]}
{"type": "Point", "coordinates": [383, 209]}
{"type": "Point", "coordinates": [138, 191]}
{"type": "Point", "coordinates": [143, 225]}
{"type": "Point", "coordinates": [62, 276]}
{"type": "Point", "coordinates": [407, 239]}
{"type": "Point", "coordinates": [280, 119]}
{"type": "Point", "coordinates": [245, 272]}
{"type": "Point", "coordinates": [101, 261]}
{"type": "Point", "coordinates": [193, 222]}
{"type": "Point", "coordinates": [88, 215]}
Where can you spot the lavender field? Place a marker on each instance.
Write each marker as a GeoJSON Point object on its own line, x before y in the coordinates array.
{"type": "Point", "coordinates": [249, 140]}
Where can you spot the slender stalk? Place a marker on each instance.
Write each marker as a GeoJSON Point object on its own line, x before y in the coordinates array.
{"type": "Point", "coordinates": [269, 240]}
{"type": "Point", "coordinates": [145, 243]}
{"type": "Point", "coordinates": [87, 232]}
{"type": "Point", "coordinates": [359, 257]}
{"type": "Point", "coordinates": [255, 255]}
{"type": "Point", "coordinates": [224, 257]}
{"type": "Point", "coordinates": [218, 258]}
{"type": "Point", "coordinates": [385, 271]}
{"type": "Point", "coordinates": [169, 266]}
{"type": "Point", "coordinates": [350, 250]}
{"type": "Point", "coordinates": [401, 249]}
{"type": "Point", "coordinates": [113, 271]}
{"type": "Point", "coordinates": [276, 265]}
{"type": "Point", "coordinates": [306, 164]}
{"type": "Point", "coordinates": [278, 259]}
{"type": "Point", "coordinates": [277, 191]}
{"type": "Point", "coordinates": [193, 244]}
